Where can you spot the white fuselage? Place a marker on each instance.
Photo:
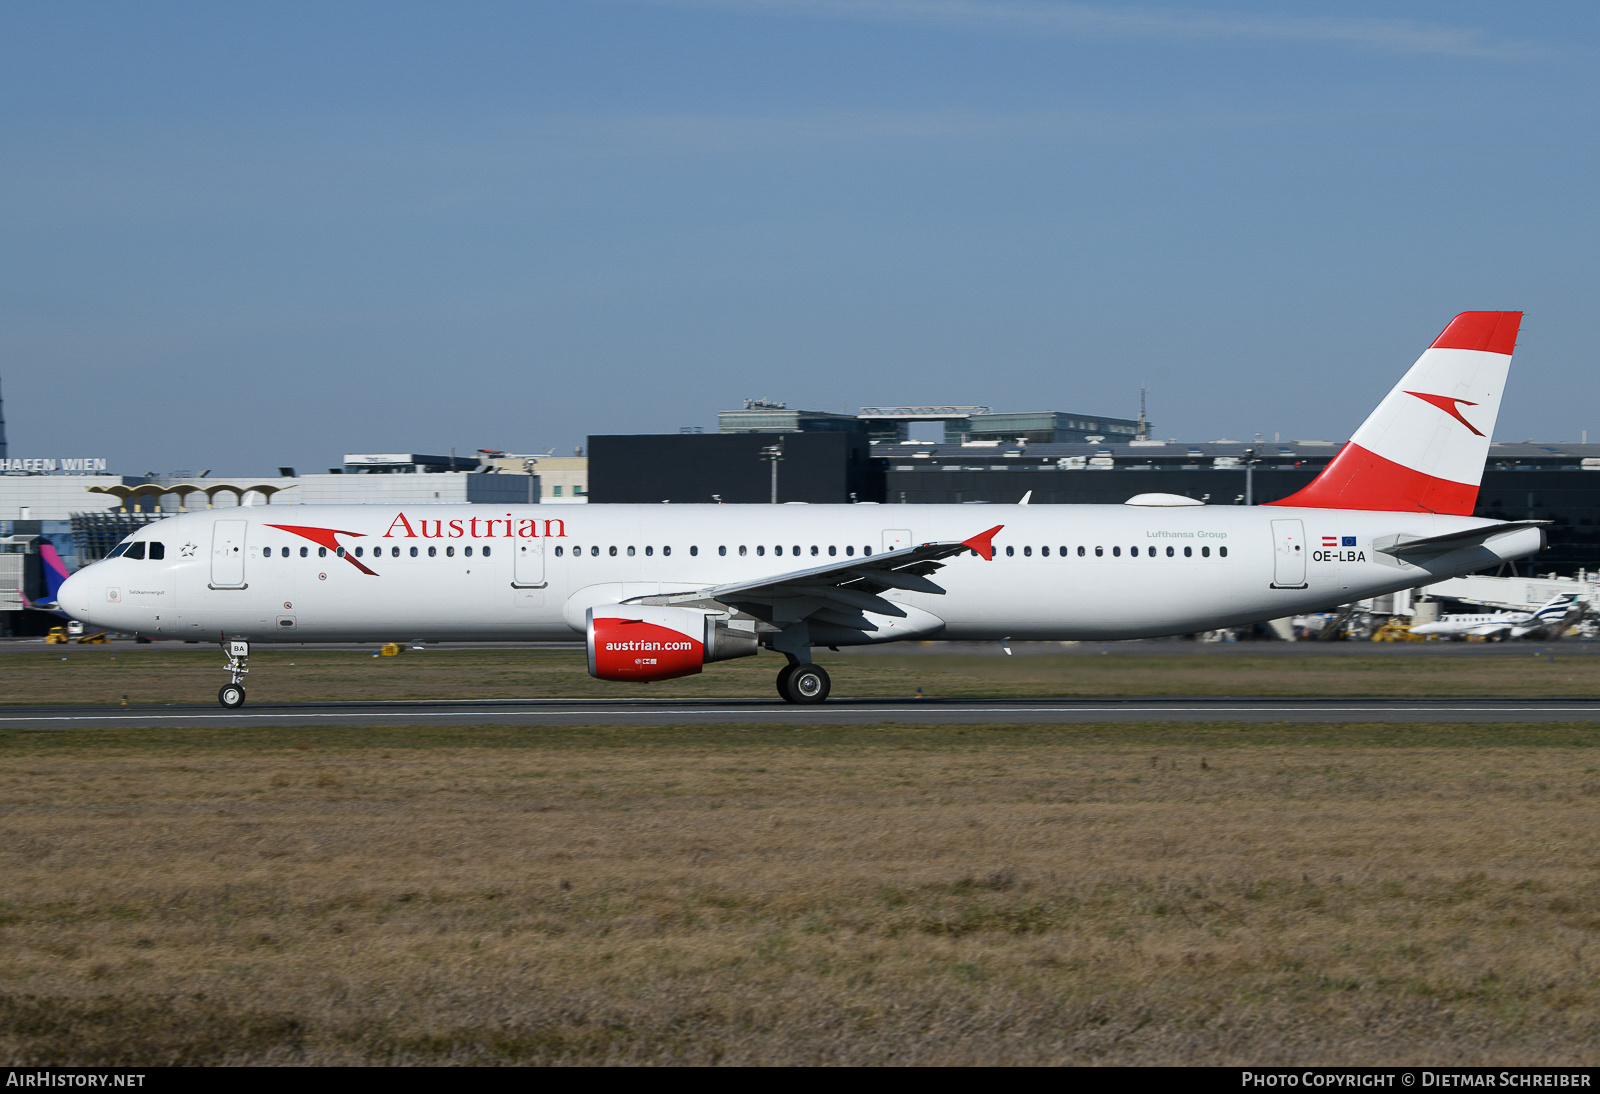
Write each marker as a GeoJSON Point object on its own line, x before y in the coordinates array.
{"type": "Point", "coordinates": [1059, 571]}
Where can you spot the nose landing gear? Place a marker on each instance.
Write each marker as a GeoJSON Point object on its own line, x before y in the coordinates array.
{"type": "Point", "coordinates": [231, 695]}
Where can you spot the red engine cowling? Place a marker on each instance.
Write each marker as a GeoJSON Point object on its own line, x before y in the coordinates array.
{"type": "Point", "coordinates": [653, 642]}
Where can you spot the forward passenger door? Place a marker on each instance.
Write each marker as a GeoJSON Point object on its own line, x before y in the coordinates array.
{"type": "Point", "coordinates": [227, 554]}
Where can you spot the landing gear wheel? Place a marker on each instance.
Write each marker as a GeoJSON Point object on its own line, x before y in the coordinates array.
{"type": "Point", "coordinates": [806, 684]}
{"type": "Point", "coordinates": [231, 696]}
{"type": "Point", "coordinates": [783, 681]}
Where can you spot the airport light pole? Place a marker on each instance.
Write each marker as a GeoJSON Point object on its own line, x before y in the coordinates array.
{"type": "Point", "coordinates": [1250, 461]}
{"type": "Point", "coordinates": [773, 453]}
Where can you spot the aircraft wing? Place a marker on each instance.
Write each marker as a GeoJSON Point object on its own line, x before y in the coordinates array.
{"type": "Point", "coordinates": [840, 593]}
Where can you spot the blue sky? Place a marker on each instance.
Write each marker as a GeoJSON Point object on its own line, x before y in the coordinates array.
{"type": "Point", "coordinates": [244, 235]}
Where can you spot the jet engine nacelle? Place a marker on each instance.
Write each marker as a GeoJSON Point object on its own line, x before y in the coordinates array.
{"type": "Point", "coordinates": [651, 642]}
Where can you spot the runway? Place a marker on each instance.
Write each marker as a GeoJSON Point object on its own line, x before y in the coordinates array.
{"type": "Point", "coordinates": [581, 712]}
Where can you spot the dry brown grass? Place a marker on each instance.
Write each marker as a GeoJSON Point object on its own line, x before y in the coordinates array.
{"type": "Point", "coordinates": [937, 895]}
{"type": "Point", "coordinates": [187, 674]}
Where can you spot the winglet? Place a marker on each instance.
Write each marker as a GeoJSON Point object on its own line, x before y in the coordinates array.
{"type": "Point", "coordinates": [981, 543]}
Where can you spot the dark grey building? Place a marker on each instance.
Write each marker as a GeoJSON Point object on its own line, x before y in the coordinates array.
{"type": "Point", "coordinates": [731, 467]}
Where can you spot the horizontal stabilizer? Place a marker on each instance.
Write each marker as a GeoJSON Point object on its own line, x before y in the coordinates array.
{"type": "Point", "coordinates": [1455, 541]}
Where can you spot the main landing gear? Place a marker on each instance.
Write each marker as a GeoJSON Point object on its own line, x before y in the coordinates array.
{"type": "Point", "coordinates": [803, 684]}
{"type": "Point", "coordinates": [231, 695]}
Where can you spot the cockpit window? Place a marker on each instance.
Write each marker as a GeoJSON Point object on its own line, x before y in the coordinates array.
{"type": "Point", "coordinates": [135, 550]}
{"type": "Point", "coordinates": [158, 551]}
{"type": "Point", "coordinates": [117, 550]}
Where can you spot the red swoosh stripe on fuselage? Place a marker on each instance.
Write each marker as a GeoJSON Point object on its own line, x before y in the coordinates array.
{"type": "Point", "coordinates": [324, 537]}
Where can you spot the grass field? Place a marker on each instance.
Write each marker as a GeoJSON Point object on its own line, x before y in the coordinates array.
{"type": "Point", "coordinates": [1258, 894]}
{"type": "Point", "coordinates": [187, 674]}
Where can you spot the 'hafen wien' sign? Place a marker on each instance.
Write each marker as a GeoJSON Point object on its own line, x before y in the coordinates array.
{"type": "Point", "coordinates": [90, 464]}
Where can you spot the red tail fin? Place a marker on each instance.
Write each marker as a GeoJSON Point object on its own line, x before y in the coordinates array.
{"type": "Point", "coordinates": [1423, 449]}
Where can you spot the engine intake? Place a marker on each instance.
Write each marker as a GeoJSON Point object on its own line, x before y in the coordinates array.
{"type": "Point", "coordinates": [651, 642]}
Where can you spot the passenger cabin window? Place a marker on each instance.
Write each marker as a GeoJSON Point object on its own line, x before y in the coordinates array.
{"type": "Point", "coordinates": [414, 552]}
{"type": "Point", "coordinates": [1010, 551]}
{"type": "Point", "coordinates": [322, 552]}
{"type": "Point", "coordinates": [1080, 552]}
{"type": "Point", "coordinates": [135, 550]}
{"type": "Point", "coordinates": [668, 550]}
{"type": "Point", "coordinates": [850, 551]}
{"type": "Point", "coordinates": [467, 551]}
{"type": "Point", "coordinates": [153, 546]}
{"type": "Point", "coordinates": [1169, 552]}
{"type": "Point", "coordinates": [777, 550]}
{"type": "Point", "coordinates": [741, 549]}
{"type": "Point", "coordinates": [648, 551]}
{"type": "Point", "coordinates": [1028, 551]}
{"type": "Point", "coordinates": [432, 551]}
{"type": "Point", "coordinates": [761, 550]}
{"type": "Point", "coordinates": [449, 552]}
{"type": "Point", "coordinates": [1188, 552]}
{"type": "Point", "coordinates": [306, 551]}
{"type": "Point", "coordinates": [613, 552]}
{"type": "Point", "coordinates": [1222, 551]}
{"type": "Point", "coordinates": [1205, 552]}
{"type": "Point", "coordinates": [832, 551]}
{"type": "Point", "coordinates": [1116, 552]}
{"type": "Point", "coordinates": [1099, 552]}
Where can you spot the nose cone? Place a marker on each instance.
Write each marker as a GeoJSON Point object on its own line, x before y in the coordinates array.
{"type": "Point", "coordinates": [73, 596]}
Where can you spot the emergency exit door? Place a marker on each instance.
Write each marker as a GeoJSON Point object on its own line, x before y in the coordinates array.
{"type": "Point", "coordinates": [227, 554]}
{"type": "Point", "coordinates": [1289, 557]}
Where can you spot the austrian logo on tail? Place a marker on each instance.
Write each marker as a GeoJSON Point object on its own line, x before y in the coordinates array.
{"type": "Point", "coordinates": [1450, 406]}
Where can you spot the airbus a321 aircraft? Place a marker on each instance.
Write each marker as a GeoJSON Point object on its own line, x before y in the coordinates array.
{"type": "Point", "coordinates": [658, 591]}
{"type": "Point", "coordinates": [1488, 624]}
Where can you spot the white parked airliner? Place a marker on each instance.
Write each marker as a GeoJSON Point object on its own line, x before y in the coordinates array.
{"type": "Point", "coordinates": [660, 590]}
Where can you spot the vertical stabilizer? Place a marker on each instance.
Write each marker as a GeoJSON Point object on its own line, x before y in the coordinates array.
{"type": "Point", "coordinates": [55, 571]}
{"type": "Point", "coordinates": [1423, 449]}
